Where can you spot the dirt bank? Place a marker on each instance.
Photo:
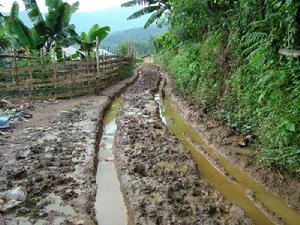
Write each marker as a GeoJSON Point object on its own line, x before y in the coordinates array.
{"type": "Point", "coordinates": [47, 172]}
{"type": "Point", "coordinates": [222, 138]}
{"type": "Point", "coordinates": [159, 177]}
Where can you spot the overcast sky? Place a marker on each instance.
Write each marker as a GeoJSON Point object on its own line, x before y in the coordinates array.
{"type": "Point", "coordinates": [85, 5]}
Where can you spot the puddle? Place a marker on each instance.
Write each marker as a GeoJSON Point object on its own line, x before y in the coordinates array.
{"type": "Point", "coordinates": [110, 206]}
{"type": "Point", "coordinates": [235, 192]}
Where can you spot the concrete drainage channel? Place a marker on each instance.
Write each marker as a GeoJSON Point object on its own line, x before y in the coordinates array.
{"type": "Point", "coordinates": [110, 207]}
{"type": "Point", "coordinates": [159, 179]}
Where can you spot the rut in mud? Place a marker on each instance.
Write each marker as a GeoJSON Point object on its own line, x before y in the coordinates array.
{"type": "Point", "coordinates": [176, 177]}
{"type": "Point", "coordinates": [159, 177]}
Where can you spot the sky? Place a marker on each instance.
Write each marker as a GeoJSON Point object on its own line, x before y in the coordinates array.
{"type": "Point", "coordinates": [85, 5]}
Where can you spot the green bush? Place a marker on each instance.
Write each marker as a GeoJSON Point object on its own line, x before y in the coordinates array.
{"type": "Point", "coordinates": [227, 58]}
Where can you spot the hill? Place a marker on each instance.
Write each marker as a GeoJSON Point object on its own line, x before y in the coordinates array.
{"type": "Point", "coordinates": [139, 36]}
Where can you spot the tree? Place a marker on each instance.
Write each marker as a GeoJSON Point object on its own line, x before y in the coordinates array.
{"type": "Point", "coordinates": [26, 37]}
{"type": "Point", "coordinates": [156, 7]}
{"type": "Point", "coordinates": [48, 31]}
{"type": "Point", "coordinates": [88, 40]}
{"type": "Point", "coordinates": [123, 49]}
{"type": "Point", "coordinates": [55, 26]}
{"type": "Point", "coordinates": [4, 41]}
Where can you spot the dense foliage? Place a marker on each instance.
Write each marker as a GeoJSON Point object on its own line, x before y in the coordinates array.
{"type": "Point", "coordinates": [51, 31]}
{"type": "Point", "coordinates": [47, 31]}
{"type": "Point", "coordinates": [225, 54]}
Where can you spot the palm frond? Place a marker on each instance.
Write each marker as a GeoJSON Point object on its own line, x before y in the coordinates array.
{"type": "Point", "coordinates": [35, 16]}
{"type": "Point", "coordinates": [14, 11]}
{"type": "Point", "coordinates": [155, 16]}
{"type": "Point", "coordinates": [134, 3]}
{"type": "Point", "coordinates": [15, 26]}
{"type": "Point", "coordinates": [144, 11]}
{"type": "Point", "coordinates": [53, 4]}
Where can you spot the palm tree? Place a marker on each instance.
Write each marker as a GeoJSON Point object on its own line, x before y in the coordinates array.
{"type": "Point", "coordinates": [96, 33]}
{"type": "Point", "coordinates": [156, 7]}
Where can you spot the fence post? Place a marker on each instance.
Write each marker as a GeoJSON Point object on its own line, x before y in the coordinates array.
{"type": "Point", "coordinates": [65, 64]}
{"type": "Point", "coordinates": [42, 61]}
{"type": "Point", "coordinates": [30, 74]}
{"type": "Point", "coordinates": [97, 56]}
{"type": "Point", "coordinates": [54, 68]}
{"type": "Point", "coordinates": [16, 66]}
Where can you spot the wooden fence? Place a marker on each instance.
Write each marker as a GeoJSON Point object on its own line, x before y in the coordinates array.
{"type": "Point", "coordinates": [61, 80]}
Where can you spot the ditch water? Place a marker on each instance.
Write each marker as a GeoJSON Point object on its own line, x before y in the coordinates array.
{"type": "Point", "coordinates": [234, 191]}
{"type": "Point", "coordinates": [110, 206]}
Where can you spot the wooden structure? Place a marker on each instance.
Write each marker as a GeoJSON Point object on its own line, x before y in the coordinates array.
{"type": "Point", "coordinates": [60, 80]}
{"type": "Point", "coordinates": [290, 52]}
{"type": "Point", "coordinates": [148, 59]}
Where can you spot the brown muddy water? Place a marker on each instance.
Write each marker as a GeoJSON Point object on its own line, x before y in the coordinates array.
{"type": "Point", "coordinates": [233, 190]}
{"type": "Point", "coordinates": [110, 206]}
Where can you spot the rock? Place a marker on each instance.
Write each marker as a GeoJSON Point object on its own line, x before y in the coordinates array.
{"type": "Point", "coordinates": [16, 194]}
{"type": "Point", "coordinates": [2, 200]}
{"type": "Point", "coordinates": [22, 153]}
{"type": "Point", "coordinates": [8, 206]}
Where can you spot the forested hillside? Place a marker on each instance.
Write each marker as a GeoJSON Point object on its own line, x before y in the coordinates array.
{"type": "Point", "coordinates": [226, 55]}
{"type": "Point", "coordinates": [140, 37]}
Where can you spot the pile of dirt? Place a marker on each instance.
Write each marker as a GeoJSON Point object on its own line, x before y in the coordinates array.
{"type": "Point", "coordinates": [160, 179]}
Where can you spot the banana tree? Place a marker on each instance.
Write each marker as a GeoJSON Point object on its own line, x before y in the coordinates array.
{"type": "Point", "coordinates": [89, 40]}
{"type": "Point", "coordinates": [157, 8]}
{"type": "Point", "coordinates": [48, 31]}
{"type": "Point", "coordinates": [55, 27]}
{"type": "Point", "coordinates": [27, 37]}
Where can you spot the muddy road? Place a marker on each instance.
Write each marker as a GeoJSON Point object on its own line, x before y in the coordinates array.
{"type": "Point", "coordinates": [48, 165]}
{"type": "Point", "coordinates": [147, 156]}
{"type": "Point", "coordinates": [159, 177]}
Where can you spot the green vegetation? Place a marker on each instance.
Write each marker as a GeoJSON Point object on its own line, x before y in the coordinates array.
{"type": "Point", "coordinates": [225, 55]}
{"type": "Point", "coordinates": [53, 29]}
{"type": "Point", "coordinates": [96, 33]}
{"type": "Point", "coordinates": [157, 8]}
{"type": "Point", "coordinates": [4, 40]}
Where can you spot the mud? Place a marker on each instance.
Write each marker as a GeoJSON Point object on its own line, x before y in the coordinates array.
{"type": "Point", "coordinates": [160, 179]}
{"type": "Point", "coordinates": [227, 142]}
{"type": "Point", "coordinates": [51, 161]}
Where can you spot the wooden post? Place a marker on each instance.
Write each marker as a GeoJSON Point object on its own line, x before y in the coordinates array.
{"type": "Point", "coordinates": [30, 74]}
{"type": "Point", "coordinates": [54, 68]}
{"type": "Point", "coordinates": [42, 61]}
{"type": "Point", "coordinates": [16, 66]}
{"type": "Point", "coordinates": [81, 67]}
{"type": "Point", "coordinates": [65, 64]}
{"type": "Point", "coordinates": [97, 56]}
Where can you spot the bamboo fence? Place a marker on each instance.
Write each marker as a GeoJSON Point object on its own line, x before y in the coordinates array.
{"type": "Point", "coordinates": [65, 79]}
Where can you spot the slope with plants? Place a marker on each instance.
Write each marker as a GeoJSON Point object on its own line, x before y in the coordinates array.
{"type": "Point", "coordinates": [225, 55]}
